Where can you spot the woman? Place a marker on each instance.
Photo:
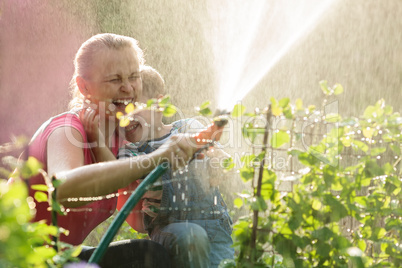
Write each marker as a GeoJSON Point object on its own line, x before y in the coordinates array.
{"type": "Point", "coordinates": [106, 78]}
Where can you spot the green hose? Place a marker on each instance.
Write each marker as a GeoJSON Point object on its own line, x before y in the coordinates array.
{"type": "Point", "coordinates": [125, 210]}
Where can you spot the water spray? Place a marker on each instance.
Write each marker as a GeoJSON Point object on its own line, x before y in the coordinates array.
{"type": "Point", "coordinates": [204, 139]}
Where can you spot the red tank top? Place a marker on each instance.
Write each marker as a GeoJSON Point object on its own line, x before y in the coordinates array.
{"type": "Point", "coordinates": [82, 220]}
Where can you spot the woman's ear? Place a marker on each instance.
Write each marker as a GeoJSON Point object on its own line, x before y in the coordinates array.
{"type": "Point", "coordinates": [81, 83]}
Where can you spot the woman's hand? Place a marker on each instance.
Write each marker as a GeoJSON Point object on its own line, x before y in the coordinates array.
{"type": "Point", "coordinates": [178, 150]}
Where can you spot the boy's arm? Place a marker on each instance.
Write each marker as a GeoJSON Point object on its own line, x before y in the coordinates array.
{"type": "Point", "coordinates": [95, 137]}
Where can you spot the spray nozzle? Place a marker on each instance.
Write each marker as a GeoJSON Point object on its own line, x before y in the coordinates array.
{"type": "Point", "coordinates": [213, 132]}
{"type": "Point", "coordinates": [221, 117]}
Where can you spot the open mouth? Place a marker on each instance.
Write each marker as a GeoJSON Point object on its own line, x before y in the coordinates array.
{"type": "Point", "coordinates": [122, 103]}
{"type": "Point", "coordinates": [132, 127]}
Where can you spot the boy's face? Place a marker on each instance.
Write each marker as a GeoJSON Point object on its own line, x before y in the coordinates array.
{"type": "Point", "coordinates": [140, 128]}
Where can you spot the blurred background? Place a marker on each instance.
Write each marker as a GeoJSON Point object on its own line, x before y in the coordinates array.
{"type": "Point", "coordinates": [355, 43]}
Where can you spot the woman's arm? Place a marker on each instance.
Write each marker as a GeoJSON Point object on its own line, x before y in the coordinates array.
{"type": "Point", "coordinates": [66, 163]}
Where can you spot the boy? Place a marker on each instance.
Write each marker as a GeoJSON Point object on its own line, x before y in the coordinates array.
{"type": "Point", "coordinates": [178, 204]}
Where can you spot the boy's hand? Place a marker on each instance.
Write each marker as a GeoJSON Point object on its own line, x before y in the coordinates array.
{"type": "Point", "coordinates": [90, 121]}
{"type": "Point", "coordinates": [96, 139]}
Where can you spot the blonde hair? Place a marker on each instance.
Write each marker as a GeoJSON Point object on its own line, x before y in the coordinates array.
{"type": "Point", "coordinates": [84, 58]}
{"type": "Point", "coordinates": [152, 82]}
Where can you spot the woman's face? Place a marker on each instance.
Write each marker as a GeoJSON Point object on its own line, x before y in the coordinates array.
{"type": "Point", "coordinates": [114, 80]}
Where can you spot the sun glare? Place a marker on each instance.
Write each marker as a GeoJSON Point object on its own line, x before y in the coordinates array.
{"type": "Point", "coordinates": [249, 37]}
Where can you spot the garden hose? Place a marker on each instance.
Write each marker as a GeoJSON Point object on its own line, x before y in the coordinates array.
{"type": "Point", "coordinates": [125, 210]}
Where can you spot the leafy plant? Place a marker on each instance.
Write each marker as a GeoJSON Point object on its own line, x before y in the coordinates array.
{"type": "Point", "coordinates": [350, 175]}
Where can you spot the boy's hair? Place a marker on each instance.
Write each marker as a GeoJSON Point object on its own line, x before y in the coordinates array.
{"type": "Point", "coordinates": [152, 82]}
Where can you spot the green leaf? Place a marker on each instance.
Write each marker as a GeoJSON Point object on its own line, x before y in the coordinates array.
{"type": "Point", "coordinates": [396, 148]}
{"type": "Point", "coordinates": [388, 110]}
{"type": "Point", "coordinates": [164, 101]}
{"type": "Point", "coordinates": [308, 159]}
{"type": "Point", "coordinates": [41, 254]}
{"type": "Point", "coordinates": [311, 108]}
{"type": "Point", "coordinates": [169, 110]}
{"type": "Point", "coordinates": [30, 168]}
{"type": "Point", "coordinates": [322, 234]}
{"type": "Point", "coordinates": [284, 102]}
{"type": "Point", "coordinates": [228, 163]}
{"type": "Point", "coordinates": [205, 105]}
{"type": "Point", "coordinates": [336, 186]}
{"type": "Point", "coordinates": [316, 204]}
{"type": "Point", "coordinates": [56, 183]}
{"type": "Point", "coordinates": [299, 105]}
{"type": "Point", "coordinates": [39, 187]}
{"type": "Point", "coordinates": [324, 87]}
{"type": "Point", "coordinates": [340, 242]}
{"type": "Point", "coordinates": [294, 222]}
{"type": "Point", "coordinates": [338, 210]}
{"type": "Point", "coordinates": [323, 249]}
{"type": "Point", "coordinates": [246, 174]}
{"type": "Point", "coordinates": [205, 112]}
{"type": "Point", "coordinates": [238, 110]}
{"type": "Point", "coordinates": [238, 202]}
{"type": "Point", "coordinates": [362, 245]}
{"type": "Point", "coordinates": [259, 204]}
{"type": "Point", "coordinates": [279, 138]}
{"type": "Point", "coordinates": [204, 109]}
{"type": "Point", "coordinates": [40, 197]}
{"type": "Point", "coordinates": [369, 111]}
{"type": "Point", "coordinates": [338, 89]}
{"type": "Point", "coordinates": [360, 145]}
{"type": "Point", "coordinates": [377, 151]}
{"type": "Point", "coordinates": [368, 132]}
{"type": "Point", "coordinates": [372, 169]}
{"type": "Point", "coordinates": [333, 118]}
{"type": "Point", "coordinates": [151, 102]}
{"type": "Point", "coordinates": [379, 233]}
{"type": "Point", "coordinates": [285, 230]}
{"type": "Point", "coordinates": [57, 207]}
{"type": "Point", "coordinates": [288, 112]}
{"type": "Point", "coordinates": [346, 141]}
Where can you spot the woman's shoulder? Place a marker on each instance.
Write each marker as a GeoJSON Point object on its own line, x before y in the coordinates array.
{"type": "Point", "coordinates": [66, 119]}
{"type": "Point", "coordinates": [60, 127]}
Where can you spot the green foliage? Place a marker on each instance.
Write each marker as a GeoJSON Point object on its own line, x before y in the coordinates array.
{"type": "Point", "coordinates": [238, 110]}
{"type": "Point", "coordinates": [204, 109]}
{"type": "Point", "coordinates": [303, 228]}
{"type": "Point", "coordinates": [162, 105]}
{"type": "Point", "coordinates": [26, 244]}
